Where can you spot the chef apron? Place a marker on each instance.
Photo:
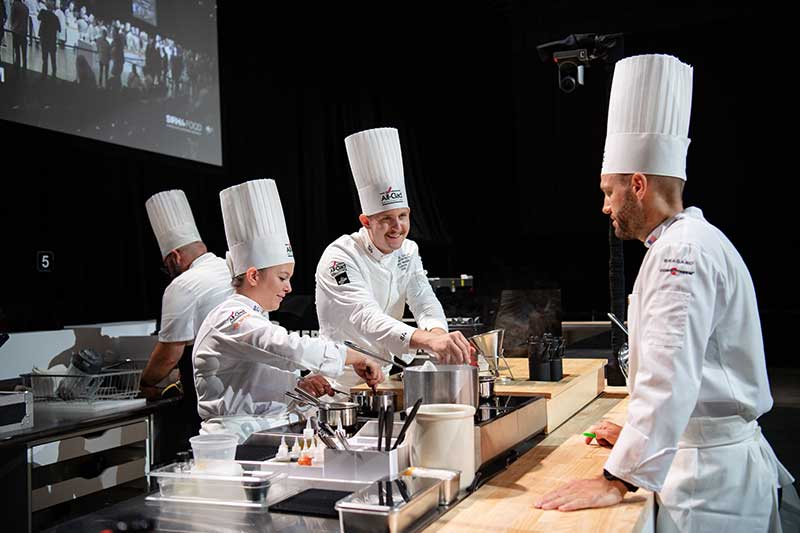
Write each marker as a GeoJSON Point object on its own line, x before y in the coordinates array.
{"type": "Point", "coordinates": [724, 479]}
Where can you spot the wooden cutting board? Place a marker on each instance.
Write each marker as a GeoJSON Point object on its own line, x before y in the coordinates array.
{"type": "Point", "coordinates": [505, 504]}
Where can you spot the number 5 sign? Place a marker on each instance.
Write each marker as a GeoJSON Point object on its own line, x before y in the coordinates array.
{"type": "Point", "coordinates": [44, 261]}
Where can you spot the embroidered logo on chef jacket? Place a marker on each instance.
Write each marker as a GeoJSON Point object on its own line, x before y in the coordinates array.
{"type": "Point", "coordinates": [678, 270]}
{"type": "Point", "coordinates": [237, 317]}
{"type": "Point", "coordinates": [651, 240]}
{"type": "Point", "coordinates": [391, 196]}
{"type": "Point", "coordinates": [289, 250]}
{"type": "Point", "coordinates": [675, 271]}
{"type": "Point", "coordinates": [403, 336]}
{"type": "Point", "coordinates": [402, 261]}
{"type": "Point", "coordinates": [236, 314]}
{"type": "Point", "coordinates": [338, 271]}
{"type": "Point", "coordinates": [679, 261]}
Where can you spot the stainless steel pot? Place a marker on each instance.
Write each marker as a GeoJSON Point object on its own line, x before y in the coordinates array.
{"type": "Point", "coordinates": [446, 384]}
{"type": "Point", "coordinates": [486, 386]}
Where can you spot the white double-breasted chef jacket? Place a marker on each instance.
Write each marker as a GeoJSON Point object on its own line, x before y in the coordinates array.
{"type": "Point", "coordinates": [697, 383]}
{"type": "Point", "coordinates": [361, 294]}
{"type": "Point", "coordinates": [244, 364]}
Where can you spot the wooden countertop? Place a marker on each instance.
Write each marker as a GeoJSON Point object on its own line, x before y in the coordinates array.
{"type": "Point", "coordinates": [574, 369]}
{"type": "Point", "coordinates": [506, 502]}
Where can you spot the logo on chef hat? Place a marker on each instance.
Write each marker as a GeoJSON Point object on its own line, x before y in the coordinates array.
{"type": "Point", "coordinates": [392, 196]}
{"type": "Point", "coordinates": [289, 250]}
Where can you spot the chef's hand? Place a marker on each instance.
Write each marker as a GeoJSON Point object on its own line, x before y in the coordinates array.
{"type": "Point", "coordinates": [150, 392]}
{"type": "Point", "coordinates": [583, 494]}
{"type": "Point", "coordinates": [607, 433]}
{"type": "Point", "coordinates": [450, 348]}
{"type": "Point", "coordinates": [369, 370]}
{"type": "Point", "coordinates": [315, 385]}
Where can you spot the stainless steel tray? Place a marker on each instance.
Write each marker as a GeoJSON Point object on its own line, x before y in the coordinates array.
{"type": "Point", "coordinates": [389, 505]}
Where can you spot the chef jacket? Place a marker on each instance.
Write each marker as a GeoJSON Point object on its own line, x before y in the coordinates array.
{"type": "Point", "coordinates": [697, 373]}
{"type": "Point", "coordinates": [361, 294]}
{"type": "Point", "coordinates": [243, 363]}
{"type": "Point", "coordinates": [191, 296]}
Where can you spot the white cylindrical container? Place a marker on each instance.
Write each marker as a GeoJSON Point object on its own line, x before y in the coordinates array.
{"type": "Point", "coordinates": [445, 438]}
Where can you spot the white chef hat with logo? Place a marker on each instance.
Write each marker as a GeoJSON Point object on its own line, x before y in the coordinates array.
{"type": "Point", "coordinates": [377, 165]}
{"type": "Point", "coordinates": [648, 117]}
{"type": "Point", "coordinates": [172, 220]}
{"type": "Point", "coordinates": [254, 226]}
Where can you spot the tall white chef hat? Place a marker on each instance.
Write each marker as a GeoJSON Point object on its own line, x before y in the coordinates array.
{"type": "Point", "coordinates": [254, 226]}
{"type": "Point", "coordinates": [171, 219]}
{"type": "Point", "coordinates": [648, 117]}
{"type": "Point", "coordinates": [377, 166]}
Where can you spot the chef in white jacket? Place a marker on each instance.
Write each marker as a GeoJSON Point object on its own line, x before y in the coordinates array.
{"type": "Point", "coordinates": [243, 363]}
{"type": "Point", "coordinates": [365, 279]}
{"type": "Point", "coordinates": [697, 377]}
{"type": "Point", "coordinates": [200, 282]}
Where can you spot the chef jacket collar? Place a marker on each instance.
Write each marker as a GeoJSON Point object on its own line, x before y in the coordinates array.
{"type": "Point", "coordinates": [202, 259]}
{"type": "Point", "coordinates": [693, 212]}
{"type": "Point", "coordinates": [370, 247]}
{"type": "Point", "coordinates": [251, 304]}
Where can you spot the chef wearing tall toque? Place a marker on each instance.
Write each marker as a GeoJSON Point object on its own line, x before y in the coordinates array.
{"type": "Point", "coordinates": [200, 282]}
{"type": "Point", "coordinates": [243, 363]}
{"type": "Point", "coordinates": [698, 377]}
{"type": "Point", "coordinates": [365, 279]}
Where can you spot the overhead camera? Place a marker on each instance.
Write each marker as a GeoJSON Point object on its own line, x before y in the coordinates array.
{"type": "Point", "coordinates": [578, 51]}
{"type": "Point", "coordinates": [571, 64]}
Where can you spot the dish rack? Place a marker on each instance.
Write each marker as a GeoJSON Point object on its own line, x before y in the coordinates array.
{"type": "Point", "coordinates": [107, 385]}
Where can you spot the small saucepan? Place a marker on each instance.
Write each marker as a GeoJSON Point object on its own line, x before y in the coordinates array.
{"type": "Point", "coordinates": [370, 402]}
{"type": "Point", "coordinates": [335, 414]}
{"type": "Point", "coordinates": [486, 386]}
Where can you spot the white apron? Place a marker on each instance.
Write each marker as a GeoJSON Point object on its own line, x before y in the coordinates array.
{"type": "Point", "coordinates": [724, 479]}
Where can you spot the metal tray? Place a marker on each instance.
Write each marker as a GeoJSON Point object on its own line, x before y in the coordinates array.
{"type": "Point", "coordinates": [389, 505]}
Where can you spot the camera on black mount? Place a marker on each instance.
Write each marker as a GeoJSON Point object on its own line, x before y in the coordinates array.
{"type": "Point", "coordinates": [570, 68]}
{"type": "Point", "coordinates": [578, 51]}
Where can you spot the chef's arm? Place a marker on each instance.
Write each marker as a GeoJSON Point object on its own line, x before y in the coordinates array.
{"type": "Point", "coordinates": [672, 331]}
{"type": "Point", "coordinates": [164, 358]}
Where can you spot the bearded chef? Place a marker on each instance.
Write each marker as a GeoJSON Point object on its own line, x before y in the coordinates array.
{"type": "Point", "coordinates": [365, 279]}
{"type": "Point", "coordinates": [243, 363]}
{"type": "Point", "coordinates": [698, 378]}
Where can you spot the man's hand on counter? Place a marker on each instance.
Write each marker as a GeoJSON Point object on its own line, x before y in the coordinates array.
{"type": "Point", "coordinates": [315, 385]}
{"type": "Point", "coordinates": [606, 433]}
{"type": "Point", "coordinates": [583, 494]}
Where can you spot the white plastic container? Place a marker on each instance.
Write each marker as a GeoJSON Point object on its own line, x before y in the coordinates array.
{"type": "Point", "coordinates": [445, 438]}
{"type": "Point", "coordinates": [214, 447]}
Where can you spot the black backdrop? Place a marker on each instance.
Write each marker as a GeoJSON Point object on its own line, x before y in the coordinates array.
{"type": "Point", "coordinates": [502, 167]}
